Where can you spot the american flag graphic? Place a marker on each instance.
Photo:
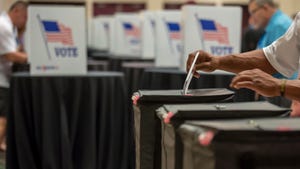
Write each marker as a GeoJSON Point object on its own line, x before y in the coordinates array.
{"type": "Point", "coordinates": [214, 31]}
{"type": "Point", "coordinates": [57, 32]}
{"type": "Point", "coordinates": [131, 30]}
{"type": "Point", "coordinates": [174, 30]}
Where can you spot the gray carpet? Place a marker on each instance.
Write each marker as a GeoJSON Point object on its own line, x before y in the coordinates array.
{"type": "Point", "coordinates": [2, 160]}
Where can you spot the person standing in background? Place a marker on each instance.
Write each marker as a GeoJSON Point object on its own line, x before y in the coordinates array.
{"type": "Point", "coordinates": [12, 21]}
{"type": "Point", "coordinates": [266, 16]}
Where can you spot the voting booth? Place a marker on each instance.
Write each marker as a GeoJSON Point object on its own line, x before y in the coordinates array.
{"type": "Point", "coordinates": [100, 33]}
{"type": "Point", "coordinates": [111, 36]}
{"type": "Point", "coordinates": [56, 45]}
{"type": "Point", "coordinates": [148, 34]}
{"type": "Point", "coordinates": [89, 33]}
{"type": "Point", "coordinates": [216, 30]}
{"type": "Point", "coordinates": [127, 37]}
{"type": "Point", "coordinates": [168, 38]}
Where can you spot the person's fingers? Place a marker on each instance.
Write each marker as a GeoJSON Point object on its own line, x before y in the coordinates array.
{"type": "Point", "coordinates": [203, 57]}
{"type": "Point", "coordinates": [245, 84]}
{"type": "Point", "coordinates": [202, 63]}
{"type": "Point", "coordinates": [240, 78]}
{"type": "Point", "coordinates": [196, 74]}
{"type": "Point", "coordinates": [205, 66]}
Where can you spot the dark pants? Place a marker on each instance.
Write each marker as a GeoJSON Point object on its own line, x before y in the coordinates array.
{"type": "Point", "coordinates": [4, 101]}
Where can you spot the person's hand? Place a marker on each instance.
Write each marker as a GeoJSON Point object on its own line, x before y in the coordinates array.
{"type": "Point", "coordinates": [257, 80]}
{"type": "Point", "coordinates": [295, 109]}
{"type": "Point", "coordinates": [205, 62]}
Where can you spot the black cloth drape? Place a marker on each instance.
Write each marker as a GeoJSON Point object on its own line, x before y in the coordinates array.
{"type": "Point", "coordinates": [133, 72]}
{"type": "Point", "coordinates": [68, 122]}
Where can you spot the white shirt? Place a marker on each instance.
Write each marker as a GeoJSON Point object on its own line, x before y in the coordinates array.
{"type": "Point", "coordinates": [7, 44]}
{"type": "Point", "coordinates": [284, 53]}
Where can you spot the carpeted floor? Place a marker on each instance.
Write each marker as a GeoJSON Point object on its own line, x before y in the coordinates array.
{"type": "Point", "coordinates": [2, 160]}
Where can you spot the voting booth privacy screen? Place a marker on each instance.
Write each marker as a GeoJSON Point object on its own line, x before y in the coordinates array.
{"type": "Point", "coordinates": [127, 35]}
{"type": "Point", "coordinates": [54, 42]}
{"type": "Point", "coordinates": [216, 30]}
{"type": "Point", "coordinates": [100, 33]}
{"type": "Point", "coordinates": [168, 38]}
{"type": "Point", "coordinates": [147, 34]}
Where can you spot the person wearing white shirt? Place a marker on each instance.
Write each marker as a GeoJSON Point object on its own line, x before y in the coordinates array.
{"type": "Point", "coordinates": [254, 68]}
{"type": "Point", "coordinates": [10, 22]}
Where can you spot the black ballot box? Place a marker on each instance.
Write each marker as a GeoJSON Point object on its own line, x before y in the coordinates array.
{"type": "Point", "coordinates": [172, 116]}
{"type": "Point", "coordinates": [147, 124]}
{"type": "Point", "coordinates": [270, 143]}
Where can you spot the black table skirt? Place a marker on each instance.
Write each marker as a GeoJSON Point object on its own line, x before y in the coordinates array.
{"type": "Point", "coordinates": [69, 122]}
{"type": "Point", "coordinates": [133, 72]}
{"type": "Point", "coordinates": [173, 78]}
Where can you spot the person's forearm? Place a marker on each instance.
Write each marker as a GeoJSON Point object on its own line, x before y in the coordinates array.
{"type": "Point", "coordinates": [245, 61]}
{"type": "Point", "coordinates": [292, 90]}
{"type": "Point", "coordinates": [17, 57]}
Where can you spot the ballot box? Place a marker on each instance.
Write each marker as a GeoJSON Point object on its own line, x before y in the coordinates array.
{"type": "Point", "coordinates": [235, 144]}
{"type": "Point", "coordinates": [147, 124]}
{"type": "Point", "coordinates": [172, 116]}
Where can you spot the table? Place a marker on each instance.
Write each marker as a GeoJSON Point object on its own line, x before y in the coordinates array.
{"type": "Point", "coordinates": [92, 65]}
{"type": "Point", "coordinates": [97, 65]}
{"type": "Point", "coordinates": [173, 78]}
{"type": "Point", "coordinates": [69, 122]}
{"type": "Point", "coordinates": [98, 54]}
{"type": "Point", "coordinates": [115, 62]}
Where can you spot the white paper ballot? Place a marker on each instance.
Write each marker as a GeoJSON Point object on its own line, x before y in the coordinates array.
{"type": "Point", "coordinates": [189, 76]}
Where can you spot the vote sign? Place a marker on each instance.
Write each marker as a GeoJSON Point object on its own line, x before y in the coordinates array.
{"type": "Point", "coordinates": [55, 42]}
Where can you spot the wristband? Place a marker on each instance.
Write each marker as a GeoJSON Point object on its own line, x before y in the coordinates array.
{"type": "Point", "coordinates": [282, 87]}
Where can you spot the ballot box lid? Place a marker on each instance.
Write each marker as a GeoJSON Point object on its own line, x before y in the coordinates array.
{"type": "Point", "coordinates": [179, 112]}
{"type": "Point", "coordinates": [176, 96]}
{"type": "Point", "coordinates": [275, 129]}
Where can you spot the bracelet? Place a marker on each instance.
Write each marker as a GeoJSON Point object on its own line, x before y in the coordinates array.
{"type": "Point", "coordinates": [282, 87]}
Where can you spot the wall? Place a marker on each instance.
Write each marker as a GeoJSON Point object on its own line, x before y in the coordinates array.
{"type": "Point", "coordinates": [288, 6]}
{"type": "Point", "coordinates": [1, 5]}
{"type": "Point", "coordinates": [6, 4]}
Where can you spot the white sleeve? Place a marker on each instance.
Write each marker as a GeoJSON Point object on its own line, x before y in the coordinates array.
{"type": "Point", "coordinates": [7, 41]}
{"type": "Point", "coordinates": [284, 53]}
